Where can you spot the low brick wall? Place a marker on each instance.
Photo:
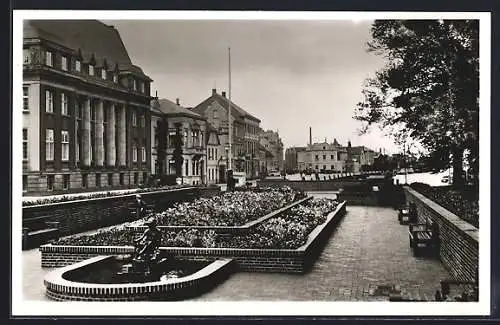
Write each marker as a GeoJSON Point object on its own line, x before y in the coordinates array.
{"type": "Point", "coordinates": [230, 230]}
{"type": "Point", "coordinates": [459, 240]}
{"type": "Point", "coordinates": [60, 289]}
{"type": "Point", "coordinates": [82, 215]}
{"type": "Point", "coordinates": [306, 186]}
{"type": "Point", "coordinates": [254, 260]}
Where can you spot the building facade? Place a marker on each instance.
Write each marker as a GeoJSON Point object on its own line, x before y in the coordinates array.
{"type": "Point", "coordinates": [291, 159]}
{"type": "Point", "coordinates": [245, 132]}
{"type": "Point", "coordinates": [86, 117]}
{"type": "Point", "coordinates": [272, 141]}
{"type": "Point", "coordinates": [192, 127]}
{"type": "Point", "coordinates": [215, 157]}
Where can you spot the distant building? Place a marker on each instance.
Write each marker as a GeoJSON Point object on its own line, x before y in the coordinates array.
{"type": "Point", "coordinates": [245, 136]}
{"type": "Point", "coordinates": [291, 159]}
{"type": "Point", "coordinates": [215, 156]}
{"type": "Point", "coordinates": [272, 142]}
{"type": "Point", "coordinates": [265, 159]}
{"type": "Point", "coordinates": [329, 157]}
{"type": "Point", "coordinates": [86, 115]}
{"type": "Point", "coordinates": [193, 129]}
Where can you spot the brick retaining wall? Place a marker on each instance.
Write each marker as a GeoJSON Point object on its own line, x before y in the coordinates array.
{"type": "Point", "coordinates": [255, 260]}
{"type": "Point", "coordinates": [459, 248]}
{"type": "Point", "coordinates": [82, 215]}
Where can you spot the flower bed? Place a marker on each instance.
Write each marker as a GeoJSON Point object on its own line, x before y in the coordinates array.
{"type": "Point", "coordinates": [464, 204]}
{"type": "Point", "coordinates": [229, 209]}
{"type": "Point", "coordinates": [288, 231]}
{"type": "Point", "coordinates": [66, 198]}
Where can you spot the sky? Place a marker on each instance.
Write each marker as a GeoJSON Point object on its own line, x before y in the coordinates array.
{"type": "Point", "coordinates": [292, 75]}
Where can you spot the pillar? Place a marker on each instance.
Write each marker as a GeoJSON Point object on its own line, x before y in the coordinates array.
{"type": "Point", "coordinates": [99, 132]}
{"type": "Point", "coordinates": [110, 137]}
{"type": "Point", "coordinates": [122, 140]}
{"type": "Point", "coordinates": [86, 133]}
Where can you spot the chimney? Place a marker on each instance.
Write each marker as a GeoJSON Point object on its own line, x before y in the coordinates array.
{"type": "Point", "coordinates": [177, 101]}
{"type": "Point", "coordinates": [156, 94]}
{"type": "Point", "coordinates": [214, 91]}
{"type": "Point", "coordinates": [310, 136]}
{"type": "Point", "coordinates": [224, 94]}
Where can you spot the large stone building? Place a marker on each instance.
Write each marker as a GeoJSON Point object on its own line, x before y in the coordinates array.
{"type": "Point", "coordinates": [329, 157]}
{"type": "Point", "coordinates": [271, 141]}
{"type": "Point", "coordinates": [323, 157]}
{"type": "Point", "coordinates": [86, 116]}
{"type": "Point", "coordinates": [193, 130]}
{"type": "Point", "coordinates": [245, 135]}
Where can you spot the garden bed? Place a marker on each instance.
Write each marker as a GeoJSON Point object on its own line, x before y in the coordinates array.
{"type": "Point", "coordinates": [288, 230]}
{"type": "Point", "coordinates": [255, 256]}
{"type": "Point", "coordinates": [465, 203]}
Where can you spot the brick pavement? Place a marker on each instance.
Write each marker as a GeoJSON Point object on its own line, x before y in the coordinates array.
{"type": "Point", "coordinates": [366, 256]}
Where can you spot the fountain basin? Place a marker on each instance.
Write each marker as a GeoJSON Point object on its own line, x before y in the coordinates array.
{"type": "Point", "coordinates": [80, 281]}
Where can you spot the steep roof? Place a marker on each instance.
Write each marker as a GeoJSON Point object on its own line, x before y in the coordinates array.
{"type": "Point", "coordinates": [168, 107]}
{"type": "Point", "coordinates": [224, 102]}
{"type": "Point", "coordinates": [92, 37]}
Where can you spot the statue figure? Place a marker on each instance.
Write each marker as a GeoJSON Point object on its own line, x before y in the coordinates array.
{"type": "Point", "coordinates": [147, 245]}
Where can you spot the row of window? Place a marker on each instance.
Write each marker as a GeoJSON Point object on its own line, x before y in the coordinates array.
{"type": "Point", "coordinates": [84, 184]}
{"type": "Point", "coordinates": [332, 157]}
{"type": "Point", "coordinates": [196, 168]}
{"type": "Point", "coordinates": [212, 153]}
{"type": "Point", "coordinates": [134, 153]}
{"type": "Point", "coordinates": [49, 106]}
{"type": "Point", "coordinates": [212, 174]}
{"type": "Point", "coordinates": [90, 70]}
{"type": "Point", "coordinates": [50, 147]}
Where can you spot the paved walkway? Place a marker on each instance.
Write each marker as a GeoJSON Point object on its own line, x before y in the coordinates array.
{"type": "Point", "coordinates": [366, 256]}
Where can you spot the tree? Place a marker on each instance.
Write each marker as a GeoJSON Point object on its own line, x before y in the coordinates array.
{"type": "Point", "coordinates": [178, 159]}
{"type": "Point", "coordinates": [428, 89]}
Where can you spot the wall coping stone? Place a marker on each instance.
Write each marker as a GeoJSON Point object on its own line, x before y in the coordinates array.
{"type": "Point", "coordinates": [462, 225]}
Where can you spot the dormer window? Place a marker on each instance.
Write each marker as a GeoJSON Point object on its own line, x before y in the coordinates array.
{"type": "Point", "coordinates": [78, 66]}
{"type": "Point", "coordinates": [91, 70]}
{"type": "Point", "coordinates": [142, 87]}
{"type": "Point", "coordinates": [115, 78]}
{"type": "Point", "coordinates": [103, 73]}
{"type": "Point", "coordinates": [134, 84]}
{"type": "Point", "coordinates": [48, 58]}
{"type": "Point", "coordinates": [64, 63]}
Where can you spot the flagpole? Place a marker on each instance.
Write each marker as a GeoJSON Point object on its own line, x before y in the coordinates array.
{"type": "Point", "coordinates": [230, 130]}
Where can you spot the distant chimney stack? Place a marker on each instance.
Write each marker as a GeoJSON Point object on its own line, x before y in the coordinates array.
{"type": "Point", "coordinates": [214, 91]}
{"type": "Point", "coordinates": [224, 94]}
{"type": "Point", "coordinates": [156, 94]}
{"type": "Point", "coordinates": [310, 136]}
{"type": "Point", "coordinates": [177, 101]}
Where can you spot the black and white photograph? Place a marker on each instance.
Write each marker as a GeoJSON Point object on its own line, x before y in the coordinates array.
{"type": "Point", "coordinates": [250, 163]}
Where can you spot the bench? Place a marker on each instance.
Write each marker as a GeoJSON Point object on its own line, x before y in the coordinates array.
{"type": "Point", "coordinates": [33, 238]}
{"type": "Point", "coordinates": [424, 238]}
{"type": "Point", "coordinates": [407, 214]}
